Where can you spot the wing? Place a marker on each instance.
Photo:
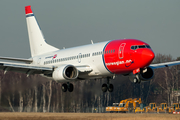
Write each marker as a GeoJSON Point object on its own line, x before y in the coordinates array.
{"type": "Point", "coordinates": [16, 59]}
{"type": "Point", "coordinates": [167, 64]}
{"type": "Point", "coordinates": [34, 69]}
{"type": "Point", "coordinates": [25, 68]}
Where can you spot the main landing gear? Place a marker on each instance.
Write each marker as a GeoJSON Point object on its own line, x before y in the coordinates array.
{"type": "Point", "coordinates": [107, 86]}
{"type": "Point", "coordinates": [68, 86]}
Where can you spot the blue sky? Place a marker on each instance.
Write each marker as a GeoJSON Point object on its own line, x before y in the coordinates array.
{"type": "Point", "coordinates": [69, 23]}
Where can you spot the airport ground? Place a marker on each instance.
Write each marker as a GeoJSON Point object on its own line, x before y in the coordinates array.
{"type": "Point", "coordinates": [86, 116]}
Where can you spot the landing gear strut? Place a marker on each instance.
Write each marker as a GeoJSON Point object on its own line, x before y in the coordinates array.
{"type": "Point", "coordinates": [68, 86]}
{"type": "Point", "coordinates": [107, 86]}
{"type": "Point", "coordinates": [137, 80]}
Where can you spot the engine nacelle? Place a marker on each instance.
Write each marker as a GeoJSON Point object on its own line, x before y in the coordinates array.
{"type": "Point", "coordinates": [144, 75]}
{"type": "Point", "coordinates": [65, 72]}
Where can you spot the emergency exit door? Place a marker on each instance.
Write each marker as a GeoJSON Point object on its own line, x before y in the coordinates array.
{"type": "Point", "coordinates": [121, 50]}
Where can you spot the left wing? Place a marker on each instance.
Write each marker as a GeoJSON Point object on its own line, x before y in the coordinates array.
{"type": "Point", "coordinates": [17, 59]}
{"type": "Point", "coordinates": [35, 69]}
{"type": "Point", "coordinates": [167, 64]}
{"type": "Point", "coordinates": [25, 68]}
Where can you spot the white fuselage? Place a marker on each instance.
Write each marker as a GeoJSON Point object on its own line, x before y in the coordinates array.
{"type": "Point", "coordinates": [89, 55]}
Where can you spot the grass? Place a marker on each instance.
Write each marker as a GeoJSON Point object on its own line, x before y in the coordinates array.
{"type": "Point", "coordinates": [86, 116]}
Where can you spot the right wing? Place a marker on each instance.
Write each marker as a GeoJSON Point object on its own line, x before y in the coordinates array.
{"type": "Point", "coordinates": [161, 65]}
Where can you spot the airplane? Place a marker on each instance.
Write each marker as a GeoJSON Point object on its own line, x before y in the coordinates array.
{"type": "Point", "coordinates": [129, 57]}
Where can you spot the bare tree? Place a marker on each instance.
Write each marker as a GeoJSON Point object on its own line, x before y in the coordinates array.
{"type": "Point", "coordinates": [43, 98]}
{"type": "Point", "coordinates": [35, 99]}
{"type": "Point", "coordinates": [49, 95]}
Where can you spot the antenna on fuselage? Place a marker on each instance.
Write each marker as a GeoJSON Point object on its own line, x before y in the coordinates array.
{"type": "Point", "coordinates": [92, 42]}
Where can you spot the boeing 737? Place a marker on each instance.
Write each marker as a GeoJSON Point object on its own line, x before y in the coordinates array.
{"type": "Point", "coordinates": [128, 57]}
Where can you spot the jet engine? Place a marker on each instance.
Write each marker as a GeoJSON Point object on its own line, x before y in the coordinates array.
{"type": "Point", "coordinates": [65, 72]}
{"type": "Point", "coordinates": [145, 74]}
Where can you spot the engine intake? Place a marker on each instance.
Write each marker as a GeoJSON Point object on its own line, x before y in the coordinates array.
{"type": "Point", "coordinates": [65, 72]}
{"type": "Point", "coordinates": [144, 75]}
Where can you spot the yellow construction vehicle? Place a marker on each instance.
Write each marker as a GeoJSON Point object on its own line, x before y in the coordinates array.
{"type": "Point", "coordinates": [111, 108]}
{"type": "Point", "coordinates": [162, 108]}
{"type": "Point", "coordinates": [127, 105]}
{"type": "Point", "coordinates": [140, 109]}
{"type": "Point", "coordinates": [150, 108]}
{"type": "Point", "coordinates": [175, 107]}
{"type": "Point", "coordinates": [115, 105]}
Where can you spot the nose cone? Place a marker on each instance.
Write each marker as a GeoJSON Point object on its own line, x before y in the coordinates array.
{"type": "Point", "coordinates": [147, 56]}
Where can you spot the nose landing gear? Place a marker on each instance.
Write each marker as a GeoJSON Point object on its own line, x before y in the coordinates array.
{"type": "Point", "coordinates": [137, 80]}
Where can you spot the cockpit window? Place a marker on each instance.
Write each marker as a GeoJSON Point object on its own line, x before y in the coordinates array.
{"type": "Point", "coordinates": [142, 46]}
{"type": "Point", "coordinates": [134, 47]}
{"type": "Point", "coordinates": [148, 46]}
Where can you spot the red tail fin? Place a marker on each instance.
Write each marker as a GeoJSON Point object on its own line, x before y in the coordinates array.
{"type": "Point", "coordinates": [28, 9]}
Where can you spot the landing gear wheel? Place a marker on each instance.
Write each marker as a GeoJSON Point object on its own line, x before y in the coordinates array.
{"type": "Point", "coordinates": [104, 87]}
{"type": "Point", "coordinates": [70, 87]}
{"type": "Point", "coordinates": [64, 87]}
{"type": "Point", "coordinates": [110, 88]}
{"type": "Point", "coordinates": [135, 80]}
{"type": "Point", "coordinates": [107, 86]}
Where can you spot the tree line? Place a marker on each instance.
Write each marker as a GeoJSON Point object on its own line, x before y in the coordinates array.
{"type": "Point", "coordinates": [19, 93]}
